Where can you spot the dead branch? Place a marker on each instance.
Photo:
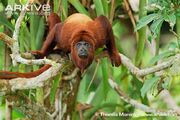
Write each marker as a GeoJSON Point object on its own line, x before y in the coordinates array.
{"type": "Point", "coordinates": [146, 71]}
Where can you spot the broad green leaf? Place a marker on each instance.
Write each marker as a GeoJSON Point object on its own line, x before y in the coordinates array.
{"type": "Point", "coordinates": [36, 31]}
{"type": "Point", "coordinates": [161, 56]}
{"type": "Point", "coordinates": [4, 21]}
{"type": "Point", "coordinates": [145, 20]}
{"type": "Point", "coordinates": [56, 5]}
{"type": "Point", "coordinates": [105, 76]}
{"type": "Point", "coordinates": [34, 22]}
{"type": "Point", "coordinates": [99, 7]}
{"type": "Point", "coordinates": [82, 95]}
{"type": "Point", "coordinates": [54, 88]}
{"type": "Point", "coordinates": [148, 84]}
{"type": "Point", "coordinates": [40, 33]}
{"type": "Point", "coordinates": [64, 9]}
{"type": "Point", "coordinates": [105, 7]}
{"type": "Point", "coordinates": [99, 95]}
{"type": "Point", "coordinates": [79, 7]}
{"type": "Point", "coordinates": [156, 27]}
{"type": "Point", "coordinates": [118, 30]}
{"type": "Point", "coordinates": [171, 19]}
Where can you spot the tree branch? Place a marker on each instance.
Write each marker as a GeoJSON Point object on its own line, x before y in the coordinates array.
{"type": "Point", "coordinates": [7, 86]}
{"type": "Point", "coordinates": [138, 105]}
{"type": "Point", "coordinates": [142, 72]}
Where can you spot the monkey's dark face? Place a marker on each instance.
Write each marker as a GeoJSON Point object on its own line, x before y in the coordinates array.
{"type": "Point", "coordinates": [82, 48]}
{"type": "Point", "coordinates": [82, 54]}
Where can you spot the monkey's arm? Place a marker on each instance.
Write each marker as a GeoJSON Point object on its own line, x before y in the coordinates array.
{"type": "Point", "coordinates": [52, 38]}
{"type": "Point", "coordinates": [105, 25]}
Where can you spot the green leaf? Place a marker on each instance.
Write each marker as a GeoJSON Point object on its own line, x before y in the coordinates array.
{"type": "Point", "coordinates": [99, 95]}
{"type": "Point", "coordinates": [145, 20]}
{"type": "Point", "coordinates": [161, 56]}
{"type": "Point", "coordinates": [105, 7]}
{"type": "Point", "coordinates": [4, 21]}
{"type": "Point", "coordinates": [166, 82]}
{"type": "Point", "coordinates": [99, 7]}
{"type": "Point", "coordinates": [4, 2]}
{"type": "Point", "coordinates": [105, 75]}
{"type": "Point", "coordinates": [172, 45]}
{"type": "Point", "coordinates": [171, 19]}
{"type": "Point", "coordinates": [64, 8]}
{"type": "Point", "coordinates": [150, 38]}
{"type": "Point", "coordinates": [56, 5]}
{"type": "Point", "coordinates": [156, 27]}
{"type": "Point", "coordinates": [40, 33]}
{"type": "Point", "coordinates": [54, 88]}
{"type": "Point", "coordinates": [149, 83]}
{"type": "Point", "coordinates": [79, 7]}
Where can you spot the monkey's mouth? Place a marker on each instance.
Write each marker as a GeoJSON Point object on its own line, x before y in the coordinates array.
{"type": "Point", "coordinates": [83, 55]}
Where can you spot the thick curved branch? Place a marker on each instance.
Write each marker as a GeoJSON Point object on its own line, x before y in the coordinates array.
{"type": "Point", "coordinates": [7, 86]}
{"type": "Point", "coordinates": [142, 72]}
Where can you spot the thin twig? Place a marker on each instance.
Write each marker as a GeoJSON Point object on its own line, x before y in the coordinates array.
{"type": "Point", "coordinates": [71, 76]}
{"type": "Point", "coordinates": [95, 71]}
{"type": "Point", "coordinates": [167, 98]}
{"type": "Point", "coordinates": [112, 10]}
{"type": "Point", "coordinates": [129, 11]}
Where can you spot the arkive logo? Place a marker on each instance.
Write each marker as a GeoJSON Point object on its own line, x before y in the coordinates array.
{"type": "Point", "coordinates": [43, 8]}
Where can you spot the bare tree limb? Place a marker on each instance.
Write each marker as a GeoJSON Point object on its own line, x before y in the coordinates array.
{"type": "Point", "coordinates": [71, 76]}
{"type": "Point", "coordinates": [7, 86]}
{"type": "Point", "coordinates": [142, 72]}
{"type": "Point", "coordinates": [167, 98]}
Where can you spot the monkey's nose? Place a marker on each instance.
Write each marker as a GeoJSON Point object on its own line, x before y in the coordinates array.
{"type": "Point", "coordinates": [83, 53]}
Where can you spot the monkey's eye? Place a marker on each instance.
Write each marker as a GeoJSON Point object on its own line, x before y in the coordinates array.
{"type": "Point", "coordinates": [87, 45]}
{"type": "Point", "coordinates": [78, 44]}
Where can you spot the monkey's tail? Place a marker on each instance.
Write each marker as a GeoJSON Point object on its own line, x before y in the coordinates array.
{"type": "Point", "coordinates": [11, 75]}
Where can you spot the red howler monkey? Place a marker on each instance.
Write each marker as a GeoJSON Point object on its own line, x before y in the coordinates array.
{"type": "Point", "coordinates": [80, 36]}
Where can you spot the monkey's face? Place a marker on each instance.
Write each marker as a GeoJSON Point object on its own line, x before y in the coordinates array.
{"type": "Point", "coordinates": [82, 54]}
{"type": "Point", "coordinates": [83, 49]}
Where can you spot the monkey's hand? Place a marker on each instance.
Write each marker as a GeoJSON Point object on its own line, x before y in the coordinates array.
{"type": "Point", "coordinates": [115, 59]}
{"type": "Point", "coordinates": [37, 54]}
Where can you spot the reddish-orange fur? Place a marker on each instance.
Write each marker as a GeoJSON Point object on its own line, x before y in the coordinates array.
{"type": "Point", "coordinates": [78, 27]}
